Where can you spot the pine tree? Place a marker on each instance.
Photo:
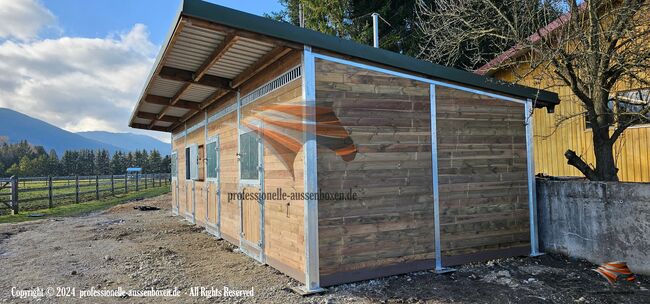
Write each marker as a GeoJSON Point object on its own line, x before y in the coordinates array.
{"type": "Point", "coordinates": [166, 165]}
{"type": "Point", "coordinates": [155, 162]}
{"type": "Point", "coordinates": [102, 163]}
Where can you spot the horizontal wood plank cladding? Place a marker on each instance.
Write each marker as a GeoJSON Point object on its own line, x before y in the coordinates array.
{"type": "Point", "coordinates": [391, 222]}
{"type": "Point", "coordinates": [482, 173]}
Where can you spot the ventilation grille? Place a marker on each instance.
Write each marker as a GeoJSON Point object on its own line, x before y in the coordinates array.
{"type": "Point", "coordinates": [225, 111]}
{"type": "Point", "coordinates": [272, 85]}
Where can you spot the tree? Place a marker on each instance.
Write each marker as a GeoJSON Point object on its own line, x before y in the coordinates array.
{"type": "Point", "coordinates": [351, 19]}
{"type": "Point", "coordinates": [595, 49]}
{"type": "Point", "coordinates": [466, 34]}
{"type": "Point", "coordinates": [53, 165]}
{"type": "Point", "coordinates": [166, 165]}
{"type": "Point", "coordinates": [69, 163]}
{"type": "Point", "coordinates": [102, 163]}
{"type": "Point", "coordinates": [154, 164]}
{"type": "Point", "coordinates": [118, 163]}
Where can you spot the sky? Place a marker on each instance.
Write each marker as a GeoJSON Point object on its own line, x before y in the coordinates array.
{"type": "Point", "coordinates": [80, 65]}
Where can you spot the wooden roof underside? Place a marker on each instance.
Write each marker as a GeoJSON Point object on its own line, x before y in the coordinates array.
{"type": "Point", "coordinates": [202, 63]}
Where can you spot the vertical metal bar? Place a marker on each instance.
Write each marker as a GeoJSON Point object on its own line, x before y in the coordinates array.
{"type": "Point", "coordinates": [261, 201]}
{"type": "Point", "coordinates": [218, 185]}
{"type": "Point", "coordinates": [137, 181]}
{"type": "Point", "coordinates": [239, 187]}
{"type": "Point", "coordinates": [193, 202]}
{"type": "Point", "coordinates": [206, 184]}
{"type": "Point", "coordinates": [112, 184]}
{"type": "Point", "coordinates": [14, 195]}
{"type": "Point", "coordinates": [532, 193]}
{"type": "Point", "coordinates": [434, 175]}
{"type": "Point", "coordinates": [76, 196]}
{"type": "Point", "coordinates": [145, 181]}
{"type": "Point", "coordinates": [126, 181]}
{"type": "Point", "coordinates": [50, 197]}
{"type": "Point", "coordinates": [312, 276]}
{"type": "Point", "coordinates": [97, 187]}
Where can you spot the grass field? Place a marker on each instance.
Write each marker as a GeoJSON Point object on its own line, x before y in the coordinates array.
{"type": "Point", "coordinates": [84, 208]}
{"type": "Point", "coordinates": [33, 192]}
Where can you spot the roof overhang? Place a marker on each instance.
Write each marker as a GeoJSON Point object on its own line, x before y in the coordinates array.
{"type": "Point", "coordinates": [211, 50]}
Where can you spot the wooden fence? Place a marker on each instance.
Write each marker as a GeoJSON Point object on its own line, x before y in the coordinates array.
{"type": "Point", "coordinates": [31, 193]}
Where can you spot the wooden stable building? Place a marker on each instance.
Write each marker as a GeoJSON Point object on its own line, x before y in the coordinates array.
{"type": "Point", "coordinates": [256, 106]}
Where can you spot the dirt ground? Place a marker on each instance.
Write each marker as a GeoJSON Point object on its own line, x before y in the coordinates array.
{"type": "Point", "coordinates": [131, 249]}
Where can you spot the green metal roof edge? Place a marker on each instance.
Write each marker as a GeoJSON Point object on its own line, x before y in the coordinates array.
{"type": "Point", "coordinates": [285, 31]}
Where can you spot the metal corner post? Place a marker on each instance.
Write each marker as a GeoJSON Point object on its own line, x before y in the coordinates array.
{"type": "Point", "coordinates": [532, 193]}
{"type": "Point", "coordinates": [434, 179]}
{"type": "Point", "coordinates": [312, 276]}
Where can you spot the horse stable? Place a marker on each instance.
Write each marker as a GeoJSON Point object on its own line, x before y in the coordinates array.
{"type": "Point", "coordinates": [333, 161]}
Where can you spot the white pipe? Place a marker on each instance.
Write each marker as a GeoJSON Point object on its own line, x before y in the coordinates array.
{"type": "Point", "coordinates": [375, 30]}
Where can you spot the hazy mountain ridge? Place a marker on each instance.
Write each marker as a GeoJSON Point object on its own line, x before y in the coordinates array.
{"type": "Point", "coordinates": [17, 127]}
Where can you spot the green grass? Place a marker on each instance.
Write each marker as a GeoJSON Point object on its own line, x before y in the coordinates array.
{"type": "Point", "coordinates": [84, 208]}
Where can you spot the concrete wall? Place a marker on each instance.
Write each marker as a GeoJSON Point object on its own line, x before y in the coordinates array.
{"type": "Point", "coordinates": [597, 221]}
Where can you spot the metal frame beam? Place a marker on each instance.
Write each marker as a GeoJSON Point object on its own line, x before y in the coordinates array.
{"type": "Point", "coordinates": [312, 270]}
{"type": "Point", "coordinates": [532, 192]}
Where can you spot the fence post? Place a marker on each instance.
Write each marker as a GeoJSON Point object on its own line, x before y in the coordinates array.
{"type": "Point", "coordinates": [76, 192]}
{"type": "Point", "coordinates": [14, 195]}
{"type": "Point", "coordinates": [145, 181]}
{"type": "Point", "coordinates": [112, 185]}
{"type": "Point", "coordinates": [50, 203]}
{"type": "Point", "coordinates": [137, 181]}
{"type": "Point", "coordinates": [126, 181]}
{"type": "Point", "coordinates": [97, 187]}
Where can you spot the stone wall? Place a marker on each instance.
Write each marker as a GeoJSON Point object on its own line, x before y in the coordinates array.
{"type": "Point", "coordinates": [597, 221]}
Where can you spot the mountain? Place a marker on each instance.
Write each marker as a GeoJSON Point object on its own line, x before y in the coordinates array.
{"type": "Point", "coordinates": [18, 126]}
{"type": "Point", "coordinates": [128, 141]}
{"type": "Point", "coordinates": [15, 126]}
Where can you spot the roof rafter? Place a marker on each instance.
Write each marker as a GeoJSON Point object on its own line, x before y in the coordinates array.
{"type": "Point", "coordinates": [164, 101]}
{"type": "Point", "coordinates": [147, 115]}
{"type": "Point", "coordinates": [219, 52]}
{"type": "Point", "coordinates": [175, 74]}
{"type": "Point", "coordinates": [260, 65]}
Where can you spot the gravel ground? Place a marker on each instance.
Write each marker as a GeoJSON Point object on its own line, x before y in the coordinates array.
{"type": "Point", "coordinates": [131, 249]}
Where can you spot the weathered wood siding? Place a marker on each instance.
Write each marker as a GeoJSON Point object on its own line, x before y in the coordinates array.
{"type": "Point", "coordinates": [482, 173]}
{"type": "Point", "coordinates": [392, 220]}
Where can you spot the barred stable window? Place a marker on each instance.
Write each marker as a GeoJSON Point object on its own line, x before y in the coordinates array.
{"type": "Point", "coordinates": [212, 159]}
{"type": "Point", "coordinates": [249, 156]}
{"type": "Point", "coordinates": [174, 164]}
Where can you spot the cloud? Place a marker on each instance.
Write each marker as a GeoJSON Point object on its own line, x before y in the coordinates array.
{"type": "Point", "coordinates": [23, 19]}
{"type": "Point", "coordinates": [79, 84]}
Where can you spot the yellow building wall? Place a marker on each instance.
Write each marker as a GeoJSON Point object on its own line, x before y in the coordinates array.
{"type": "Point", "coordinates": [552, 139]}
